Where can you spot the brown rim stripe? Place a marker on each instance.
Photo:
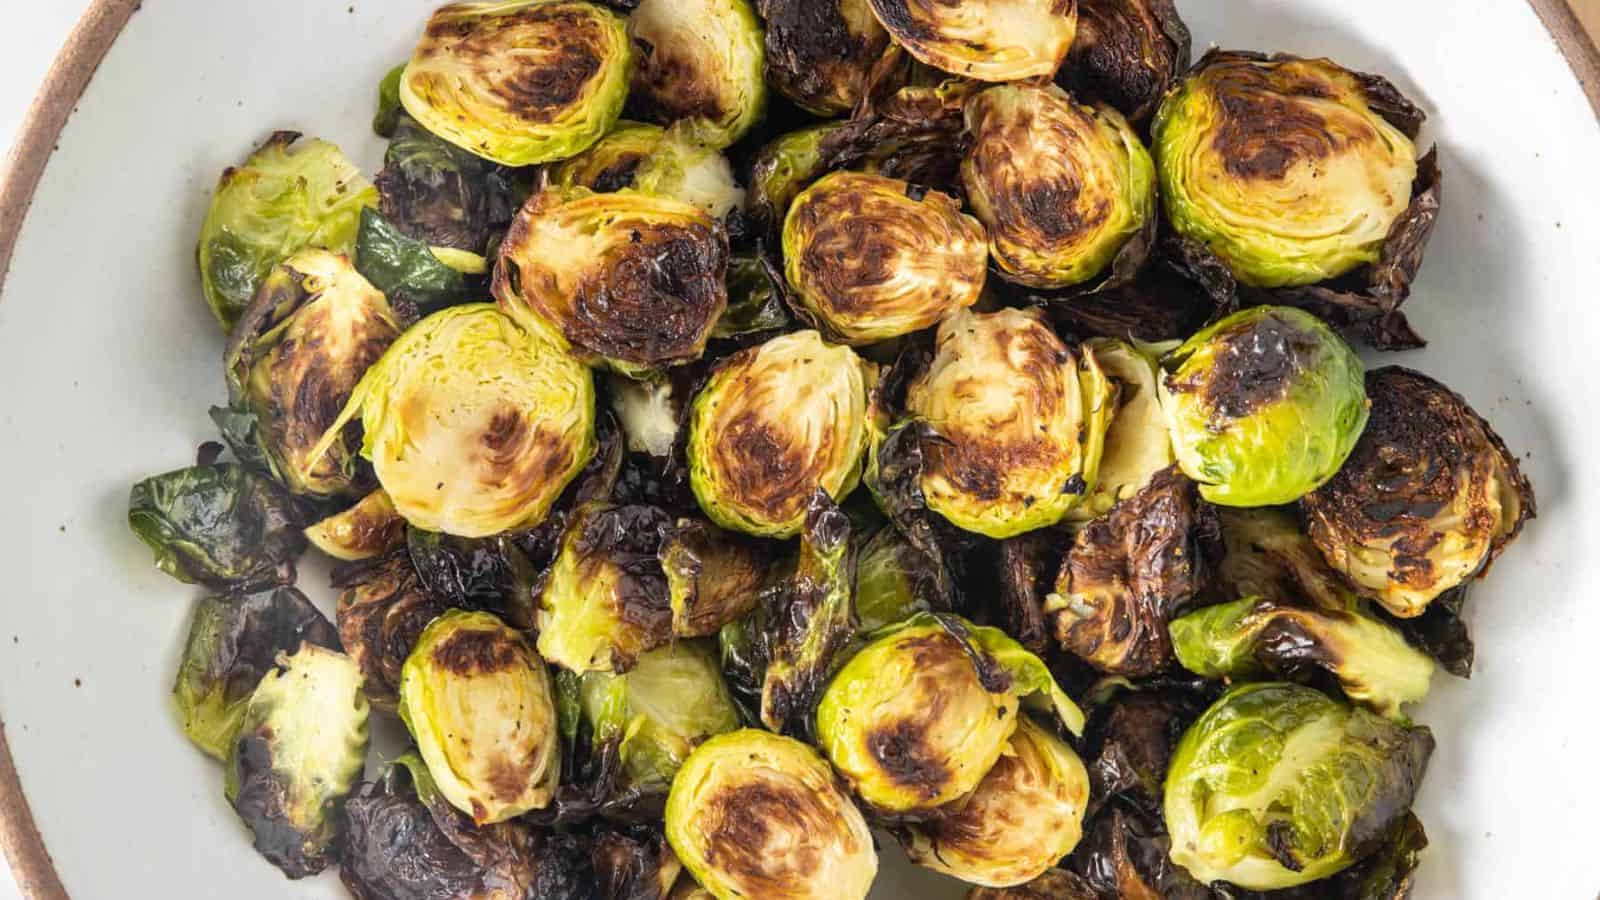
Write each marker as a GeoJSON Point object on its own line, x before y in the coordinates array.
{"type": "Point", "coordinates": [88, 44]}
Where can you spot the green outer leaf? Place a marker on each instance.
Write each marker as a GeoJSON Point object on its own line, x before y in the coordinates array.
{"type": "Point", "coordinates": [754, 305]}
{"type": "Point", "coordinates": [404, 268]}
{"type": "Point", "coordinates": [389, 109]}
{"type": "Point", "coordinates": [219, 525]}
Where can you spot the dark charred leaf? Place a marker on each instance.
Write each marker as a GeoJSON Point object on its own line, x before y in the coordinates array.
{"type": "Point", "coordinates": [1127, 53]}
{"type": "Point", "coordinates": [1124, 855]}
{"type": "Point", "coordinates": [382, 610]}
{"type": "Point", "coordinates": [814, 55]}
{"type": "Point", "coordinates": [407, 271]}
{"type": "Point", "coordinates": [489, 574]}
{"type": "Point", "coordinates": [442, 195]}
{"type": "Point", "coordinates": [1441, 631]}
{"type": "Point", "coordinates": [1025, 567]}
{"type": "Point", "coordinates": [1130, 740]}
{"type": "Point", "coordinates": [714, 576]}
{"type": "Point", "coordinates": [755, 304]}
{"type": "Point", "coordinates": [222, 526]}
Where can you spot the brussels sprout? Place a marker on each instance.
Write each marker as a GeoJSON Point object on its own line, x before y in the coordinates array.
{"type": "Point", "coordinates": [1137, 445]}
{"type": "Point", "coordinates": [990, 40]}
{"type": "Point", "coordinates": [753, 814]}
{"type": "Point", "coordinates": [1061, 187]}
{"type": "Point", "coordinates": [1268, 556]}
{"type": "Point", "coordinates": [489, 574]}
{"type": "Point", "coordinates": [1263, 406]}
{"type": "Point", "coordinates": [754, 302]}
{"type": "Point", "coordinates": [369, 529]}
{"type": "Point", "coordinates": [713, 576]}
{"type": "Point", "coordinates": [1277, 785]}
{"type": "Point", "coordinates": [441, 195]}
{"type": "Point", "coordinates": [700, 62]}
{"type": "Point", "coordinates": [650, 413]}
{"type": "Point", "coordinates": [301, 747]}
{"type": "Point", "coordinates": [1129, 573]}
{"type": "Point", "coordinates": [604, 600]}
{"type": "Point", "coordinates": [1129, 741]}
{"type": "Point", "coordinates": [892, 582]}
{"type": "Point", "coordinates": [1127, 854]}
{"type": "Point", "coordinates": [233, 641]}
{"type": "Point", "coordinates": [1020, 421]}
{"type": "Point", "coordinates": [297, 353]}
{"type": "Point", "coordinates": [519, 82]}
{"type": "Point", "coordinates": [282, 199]}
{"type": "Point", "coordinates": [1056, 884]}
{"type": "Point", "coordinates": [668, 704]}
{"type": "Point", "coordinates": [917, 717]}
{"type": "Point", "coordinates": [1430, 496]}
{"type": "Point", "coordinates": [382, 610]}
{"type": "Point", "coordinates": [413, 275]}
{"type": "Point", "coordinates": [1371, 661]}
{"type": "Point", "coordinates": [772, 425]}
{"type": "Point", "coordinates": [819, 52]}
{"type": "Point", "coordinates": [474, 425]}
{"type": "Point", "coordinates": [658, 161]}
{"type": "Point", "coordinates": [782, 170]}
{"type": "Point", "coordinates": [630, 279]}
{"type": "Point", "coordinates": [1025, 568]}
{"type": "Point", "coordinates": [477, 701]}
{"type": "Point", "coordinates": [871, 258]}
{"type": "Point", "coordinates": [1281, 166]}
{"type": "Point", "coordinates": [1025, 815]}
{"type": "Point", "coordinates": [222, 526]}
{"type": "Point", "coordinates": [1127, 53]}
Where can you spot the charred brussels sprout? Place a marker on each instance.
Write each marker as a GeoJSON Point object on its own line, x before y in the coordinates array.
{"type": "Point", "coordinates": [1371, 661]}
{"type": "Point", "coordinates": [631, 279]}
{"type": "Point", "coordinates": [1430, 496]}
{"type": "Point", "coordinates": [1277, 785]}
{"type": "Point", "coordinates": [440, 194]}
{"type": "Point", "coordinates": [233, 641]}
{"type": "Point", "coordinates": [1019, 418]}
{"type": "Point", "coordinates": [382, 611]}
{"type": "Point", "coordinates": [369, 529]}
{"type": "Point", "coordinates": [1025, 815]}
{"type": "Point", "coordinates": [753, 814]}
{"type": "Point", "coordinates": [713, 577]}
{"type": "Point", "coordinates": [1137, 445]}
{"type": "Point", "coordinates": [1281, 166]}
{"type": "Point", "coordinates": [300, 749]}
{"type": "Point", "coordinates": [1263, 406]}
{"type": "Point", "coordinates": [700, 62]}
{"type": "Point", "coordinates": [1060, 186]}
{"type": "Point", "coordinates": [871, 258]}
{"type": "Point", "coordinates": [819, 52]}
{"type": "Point", "coordinates": [655, 160]}
{"type": "Point", "coordinates": [988, 40]}
{"type": "Point", "coordinates": [1127, 53]}
{"type": "Point", "coordinates": [478, 702]}
{"type": "Point", "coordinates": [283, 199]}
{"type": "Point", "coordinates": [473, 424]}
{"type": "Point", "coordinates": [1269, 556]}
{"type": "Point", "coordinates": [782, 170]}
{"type": "Point", "coordinates": [519, 82]}
{"type": "Point", "coordinates": [774, 424]}
{"type": "Point", "coordinates": [223, 526]}
{"type": "Point", "coordinates": [299, 350]}
{"type": "Point", "coordinates": [490, 574]}
{"type": "Point", "coordinates": [1056, 884]}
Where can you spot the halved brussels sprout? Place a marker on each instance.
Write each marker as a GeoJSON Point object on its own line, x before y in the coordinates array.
{"type": "Point", "coordinates": [1025, 815]}
{"type": "Point", "coordinates": [871, 258]}
{"type": "Point", "coordinates": [631, 279]}
{"type": "Point", "coordinates": [1430, 496]}
{"type": "Point", "coordinates": [519, 82]}
{"type": "Point", "coordinates": [782, 170]}
{"type": "Point", "coordinates": [989, 40]}
{"type": "Point", "coordinates": [1281, 166]}
{"type": "Point", "coordinates": [301, 748]}
{"type": "Point", "coordinates": [234, 641]}
{"type": "Point", "coordinates": [1056, 884]}
{"type": "Point", "coordinates": [892, 581]}
{"type": "Point", "coordinates": [1278, 785]}
{"type": "Point", "coordinates": [1127, 53]}
{"type": "Point", "coordinates": [439, 194]}
{"type": "Point", "coordinates": [1019, 418]}
{"type": "Point", "coordinates": [1371, 661]}
{"type": "Point", "coordinates": [713, 576]}
{"type": "Point", "coordinates": [1269, 556]}
{"type": "Point", "coordinates": [473, 424]}
{"type": "Point", "coordinates": [298, 351]}
{"type": "Point", "coordinates": [1263, 406]}
{"type": "Point", "coordinates": [221, 525]}
{"type": "Point", "coordinates": [369, 529]}
{"type": "Point", "coordinates": [283, 199]}
{"type": "Point", "coordinates": [753, 814]}
{"type": "Point", "coordinates": [819, 52]}
{"type": "Point", "coordinates": [771, 426]}
{"type": "Point", "coordinates": [655, 160]}
{"type": "Point", "coordinates": [1060, 186]}
{"type": "Point", "coordinates": [1137, 445]}
{"type": "Point", "coordinates": [917, 717]}
{"type": "Point", "coordinates": [700, 62]}
{"type": "Point", "coordinates": [604, 600]}
{"type": "Point", "coordinates": [477, 701]}
{"type": "Point", "coordinates": [382, 611]}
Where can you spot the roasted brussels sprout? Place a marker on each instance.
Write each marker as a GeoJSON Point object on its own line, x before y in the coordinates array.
{"type": "Point", "coordinates": [1127, 854]}
{"type": "Point", "coordinates": [782, 170]}
{"type": "Point", "coordinates": [1127, 53]}
{"type": "Point", "coordinates": [369, 529]}
{"type": "Point", "coordinates": [655, 160]}
{"type": "Point", "coordinates": [604, 600]}
{"type": "Point", "coordinates": [713, 576]}
{"type": "Point", "coordinates": [892, 582]}
{"type": "Point", "coordinates": [1371, 661]}
{"type": "Point", "coordinates": [753, 814]}
{"type": "Point", "coordinates": [1430, 496]}
{"type": "Point", "coordinates": [1263, 406]}
{"type": "Point", "coordinates": [917, 717]}
{"type": "Point", "coordinates": [1061, 187]}
{"type": "Point", "coordinates": [283, 199]}
{"type": "Point", "coordinates": [297, 353]}
{"type": "Point", "coordinates": [871, 258]}
{"type": "Point", "coordinates": [441, 195]}
{"type": "Point", "coordinates": [1278, 785]}
{"type": "Point", "coordinates": [383, 608]}
{"type": "Point", "coordinates": [519, 82]}
{"type": "Point", "coordinates": [989, 40]}
{"type": "Point", "coordinates": [233, 641]}
{"type": "Point", "coordinates": [1137, 445]}
{"type": "Point", "coordinates": [1019, 418]}
{"type": "Point", "coordinates": [489, 574]}
{"type": "Point", "coordinates": [1282, 167]}
{"type": "Point", "coordinates": [473, 424]}
{"type": "Point", "coordinates": [1056, 884]}
{"type": "Point", "coordinates": [700, 62]}
{"type": "Point", "coordinates": [1269, 556]}
{"type": "Point", "coordinates": [221, 525]}
{"type": "Point", "coordinates": [632, 279]}
{"type": "Point", "coordinates": [301, 748]}
{"type": "Point", "coordinates": [478, 702]}
{"type": "Point", "coordinates": [1024, 816]}
{"type": "Point", "coordinates": [772, 425]}
{"type": "Point", "coordinates": [819, 52]}
{"type": "Point", "coordinates": [1128, 743]}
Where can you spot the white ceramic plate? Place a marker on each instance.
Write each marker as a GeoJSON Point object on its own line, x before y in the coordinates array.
{"type": "Point", "coordinates": [109, 359]}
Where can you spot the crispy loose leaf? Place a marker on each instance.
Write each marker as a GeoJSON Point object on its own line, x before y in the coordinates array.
{"type": "Point", "coordinates": [382, 610]}
{"type": "Point", "coordinates": [221, 525]}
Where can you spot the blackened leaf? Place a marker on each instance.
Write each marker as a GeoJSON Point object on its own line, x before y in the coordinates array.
{"type": "Point", "coordinates": [443, 195]}
{"type": "Point", "coordinates": [223, 526]}
{"type": "Point", "coordinates": [406, 270]}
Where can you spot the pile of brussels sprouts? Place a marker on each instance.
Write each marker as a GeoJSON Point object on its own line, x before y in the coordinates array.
{"type": "Point", "coordinates": [747, 427]}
